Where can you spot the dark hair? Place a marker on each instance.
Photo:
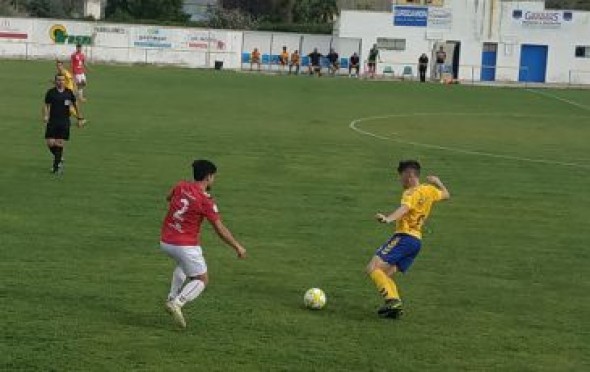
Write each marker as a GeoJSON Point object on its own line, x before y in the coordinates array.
{"type": "Point", "coordinates": [78, 45]}
{"type": "Point", "coordinates": [202, 169]}
{"type": "Point", "coordinates": [408, 164]}
{"type": "Point", "coordinates": [58, 75]}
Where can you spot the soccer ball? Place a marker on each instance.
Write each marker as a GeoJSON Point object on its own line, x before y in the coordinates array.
{"type": "Point", "coordinates": [314, 299]}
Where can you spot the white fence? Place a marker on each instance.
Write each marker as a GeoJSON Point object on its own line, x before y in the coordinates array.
{"type": "Point", "coordinates": [270, 46]}
{"type": "Point", "coordinates": [122, 43]}
{"type": "Point", "coordinates": [191, 47]}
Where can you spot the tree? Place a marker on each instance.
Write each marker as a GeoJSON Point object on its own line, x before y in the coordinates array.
{"type": "Point", "coordinates": [7, 8]}
{"type": "Point", "coordinates": [161, 10]}
{"type": "Point", "coordinates": [315, 11]}
{"type": "Point", "coordinates": [39, 8]}
{"type": "Point", "coordinates": [43, 8]}
{"type": "Point", "coordinates": [231, 19]}
{"type": "Point", "coordinates": [287, 11]}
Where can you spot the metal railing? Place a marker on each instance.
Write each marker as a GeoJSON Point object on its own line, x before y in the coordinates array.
{"type": "Point", "coordinates": [203, 58]}
{"type": "Point", "coordinates": [206, 58]}
{"type": "Point", "coordinates": [270, 46]}
{"type": "Point", "coordinates": [578, 77]}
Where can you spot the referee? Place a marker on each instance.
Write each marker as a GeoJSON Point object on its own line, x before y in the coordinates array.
{"type": "Point", "coordinates": [56, 116]}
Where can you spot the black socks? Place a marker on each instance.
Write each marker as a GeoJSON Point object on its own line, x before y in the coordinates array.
{"type": "Point", "coordinates": [57, 154]}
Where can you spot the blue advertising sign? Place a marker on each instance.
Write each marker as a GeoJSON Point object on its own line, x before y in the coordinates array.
{"type": "Point", "coordinates": [413, 16]}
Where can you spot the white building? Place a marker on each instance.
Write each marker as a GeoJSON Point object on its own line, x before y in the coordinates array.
{"type": "Point", "coordinates": [94, 8]}
{"type": "Point", "coordinates": [484, 39]}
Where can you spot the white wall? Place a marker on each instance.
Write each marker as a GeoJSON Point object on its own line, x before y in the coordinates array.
{"type": "Point", "coordinates": [122, 43]}
{"type": "Point", "coordinates": [93, 8]}
{"type": "Point", "coordinates": [561, 41]}
{"type": "Point", "coordinates": [473, 23]}
{"type": "Point", "coordinates": [32, 38]}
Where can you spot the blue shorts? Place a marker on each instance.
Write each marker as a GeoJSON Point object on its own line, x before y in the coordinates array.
{"type": "Point", "coordinates": [400, 250]}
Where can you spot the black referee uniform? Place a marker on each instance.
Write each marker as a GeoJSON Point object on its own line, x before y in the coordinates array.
{"type": "Point", "coordinates": [58, 125]}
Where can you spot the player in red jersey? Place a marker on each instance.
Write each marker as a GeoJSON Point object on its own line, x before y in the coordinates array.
{"type": "Point", "coordinates": [78, 67]}
{"type": "Point", "coordinates": [190, 204]}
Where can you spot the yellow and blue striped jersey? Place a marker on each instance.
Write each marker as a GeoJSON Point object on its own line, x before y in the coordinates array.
{"type": "Point", "coordinates": [420, 200]}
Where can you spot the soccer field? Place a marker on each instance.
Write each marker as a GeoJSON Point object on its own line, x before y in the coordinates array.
{"type": "Point", "coordinates": [502, 281]}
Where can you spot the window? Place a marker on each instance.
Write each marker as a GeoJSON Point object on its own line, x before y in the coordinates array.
{"type": "Point", "coordinates": [420, 2]}
{"type": "Point", "coordinates": [569, 5]}
{"type": "Point", "coordinates": [490, 47]}
{"type": "Point", "coordinates": [391, 44]}
{"type": "Point", "coordinates": [583, 51]}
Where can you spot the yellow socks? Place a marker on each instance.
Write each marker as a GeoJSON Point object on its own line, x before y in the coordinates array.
{"type": "Point", "coordinates": [384, 284]}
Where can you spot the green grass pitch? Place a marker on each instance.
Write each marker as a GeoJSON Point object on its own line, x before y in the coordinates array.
{"type": "Point", "coordinates": [502, 281]}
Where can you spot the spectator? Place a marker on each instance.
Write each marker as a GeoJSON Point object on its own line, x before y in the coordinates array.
{"type": "Point", "coordinates": [354, 63]}
{"type": "Point", "coordinates": [372, 62]}
{"type": "Point", "coordinates": [315, 66]}
{"type": "Point", "coordinates": [334, 62]}
{"type": "Point", "coordinates": [284, 59]}
{"type": "Point", "coordinates": [255, 59]}
{"type": "Point", "coordinates": [295, 61]}
{"type": "Point", "coordinates": [441, 57]}
{"type": "Point", "coordinates": [423, 66]}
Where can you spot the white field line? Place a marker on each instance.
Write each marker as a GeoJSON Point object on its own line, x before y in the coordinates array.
{"type": "Point", "coordinates": [354, 125]}
{"type": "Point", "coordinates": [576, 104]}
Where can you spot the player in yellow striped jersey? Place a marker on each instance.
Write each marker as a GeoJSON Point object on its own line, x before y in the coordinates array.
{"type": "Point", "coordinates": [69, 84]}
{"type": "Point", "coordinates": [69, 80]}
{"type": "Point", "coordinates": [398, 253]}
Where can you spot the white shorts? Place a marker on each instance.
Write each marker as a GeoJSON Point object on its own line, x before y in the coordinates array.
{"type": "Point", "coordinates": [189, 258]}
{"type": "Point", "coordinates": [80, 78]}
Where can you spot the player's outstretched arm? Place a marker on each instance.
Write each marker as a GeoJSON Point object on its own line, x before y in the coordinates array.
{"type": "Point", "coordinates": [396, 215]}
{"type": "Point", "coordinates": [446, 195]}
{"type": "Point", "coordinates": [228, 238]}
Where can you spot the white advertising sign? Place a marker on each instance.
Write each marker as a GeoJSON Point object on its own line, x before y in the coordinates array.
{"type": "Point", "coordinates": [63, 32]}
{"type": "Point", "coordinates": [111, 35]}
{"type": "Point", "coordinates": [205, 40]}
{"type": "Point", "coordinates": [440, 18]}
{"type": "Point", "coordinates": [542, 19]}
{"type": "Point", "coordinates": [13, 29]}
{"type": "Point", "coordinates": [151, 37]}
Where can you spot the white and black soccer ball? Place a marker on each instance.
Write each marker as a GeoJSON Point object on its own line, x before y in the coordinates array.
{"type": "Point", "coordinates": [314, 299]}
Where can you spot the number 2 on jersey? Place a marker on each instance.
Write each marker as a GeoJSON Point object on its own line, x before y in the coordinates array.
{"type": "Point", "coordinates": [178, 215]}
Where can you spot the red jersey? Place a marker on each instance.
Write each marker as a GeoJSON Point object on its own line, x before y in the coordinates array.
{"type": "Point", "coordinates": [189, 205]}
{"type": "Point", "coordinates": [78, 60]}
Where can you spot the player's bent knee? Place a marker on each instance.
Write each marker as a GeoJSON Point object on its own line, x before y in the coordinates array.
{"type": "Point", "coordinates": [203, 277]}
{"type": "Point", "coordinates": [371, 267]}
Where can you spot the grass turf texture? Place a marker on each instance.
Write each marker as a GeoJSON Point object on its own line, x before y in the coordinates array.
{"type": "Point", "coordinates": [501, 282]}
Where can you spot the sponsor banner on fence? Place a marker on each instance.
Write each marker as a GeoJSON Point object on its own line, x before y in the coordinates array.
{"type": "Point", "coordinates": [151, 37]}
{"type": "Point", "coordinates": [63, 33]}
{"type": "Point", "coordinates": [205, 40]}
{"type": "Point", "coordinates": [440, 18]}
{"type": "Point", "coordinates": [15, 29]}
{"type": "Point", "coordinates": [542, 19]}
{"type": "Point", "coordinates": [412, 16]}
{"type": "Point", "coordinates": [115, 36]}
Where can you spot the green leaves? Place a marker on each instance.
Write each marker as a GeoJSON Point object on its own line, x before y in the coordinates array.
{"type": "Point", "coordinates": [162, 10]}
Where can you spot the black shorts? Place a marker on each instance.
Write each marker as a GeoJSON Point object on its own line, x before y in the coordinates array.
{"type": "Point", "coordinates": [58, 131]}
{"type": "Point", "coordinates": [371, 64]}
